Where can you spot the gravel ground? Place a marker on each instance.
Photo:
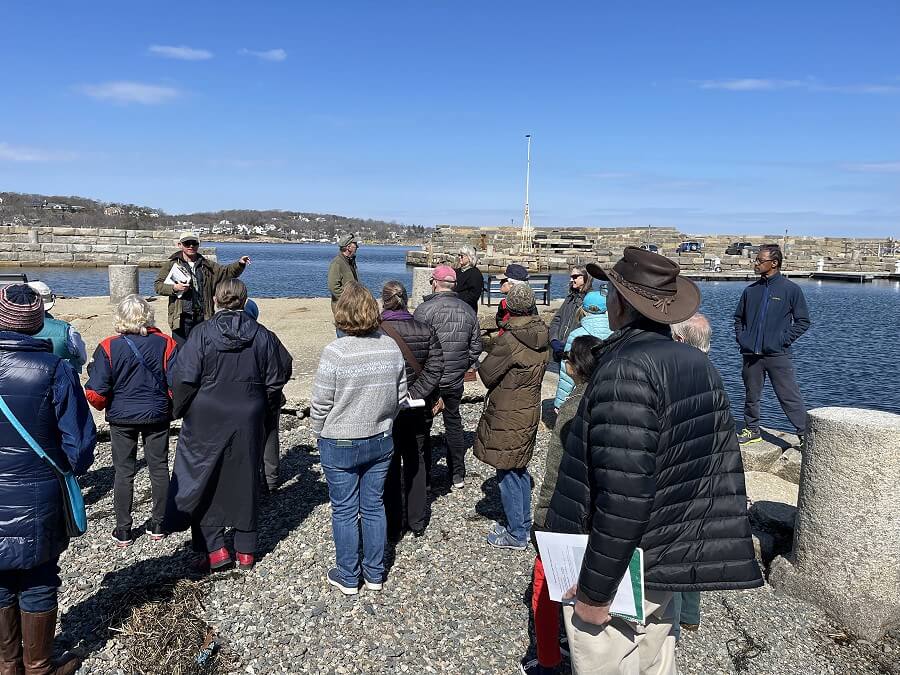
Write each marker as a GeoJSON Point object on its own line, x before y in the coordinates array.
{"type": "Point", "coordinates": [451, 603]}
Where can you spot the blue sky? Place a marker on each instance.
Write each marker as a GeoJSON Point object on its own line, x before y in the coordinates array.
{"type": "Point", "coordinates": [709, 116]}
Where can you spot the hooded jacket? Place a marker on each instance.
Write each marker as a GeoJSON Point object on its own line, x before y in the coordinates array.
{"type": "Point", "coordinates": [212, 274]}
{"type": "Point", "coordinates": [458, 331]}
{"type": "Point", "coordinates": [512, 372]}
{"type": "Point", "coordinates": [770, 316]}
{"type": "Point", "coordinates": [591, 324]}
{"type": "Point", "coordinates": [652, 460]}
{"type": "Point", "coordinates": [223, 381]}
{"type": "Point", "coordinates": [43, 393]}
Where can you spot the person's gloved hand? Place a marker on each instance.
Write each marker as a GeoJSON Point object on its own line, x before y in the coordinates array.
{"type": "Point", "coordinates": [558, 349]}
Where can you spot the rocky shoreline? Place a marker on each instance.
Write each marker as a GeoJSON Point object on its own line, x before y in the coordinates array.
{"type": "Point", "coordinates": [451, 603]}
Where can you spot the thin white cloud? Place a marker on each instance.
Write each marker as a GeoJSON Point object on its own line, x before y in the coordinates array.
{"type": "Point", "coordinates": [182, 52]}
{"type": "Point", "coordinates": [131, 92]}
{"type": "Point", "coordinates": [813, 85]}
{"type": "Point", "coordinates": [19, 153]}
{"type": "Point", "coordinates": [874, 167]}
{"type": "Point", "coordinates": [267, 55]}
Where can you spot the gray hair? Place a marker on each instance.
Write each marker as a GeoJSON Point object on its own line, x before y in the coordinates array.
{"type": "Point", "coordinates": [134, 315]}
{"type": "Point", "coordinates": [469, 251]}
{"type": "Point", "coordinates": [695, 332]}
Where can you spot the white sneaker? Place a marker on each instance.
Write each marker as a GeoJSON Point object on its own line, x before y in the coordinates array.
{"type": "Point", "coordinates": [373, 585]}
{"type": "Point", "coordinates": [459, 485]}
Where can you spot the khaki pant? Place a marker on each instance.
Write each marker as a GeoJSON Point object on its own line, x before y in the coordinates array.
{"type": "Point", "coordinates": [622, 647]}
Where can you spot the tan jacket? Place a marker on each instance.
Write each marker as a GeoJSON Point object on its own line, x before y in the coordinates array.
{"type": "Point", "coordinates": [513, 372]}
{"type": "Point", "coordinates": [213, 272]}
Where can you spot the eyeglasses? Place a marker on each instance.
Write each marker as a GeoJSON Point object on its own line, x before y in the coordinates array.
{"type": "Point", "coordinates": [190, 244]}
{"type": "Point", "coordinates": [760, 261]}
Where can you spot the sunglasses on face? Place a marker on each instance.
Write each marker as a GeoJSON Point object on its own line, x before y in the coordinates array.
{"type": "Point", "coordinates": [576, 276]}
{"type": "Point", "coordinates": [759, 261]}
{"type": "Point", "coordinates": [190, 244]}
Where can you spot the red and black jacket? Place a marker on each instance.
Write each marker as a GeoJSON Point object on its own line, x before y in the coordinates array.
{"type": "Point", "coordinates": [121, 385]}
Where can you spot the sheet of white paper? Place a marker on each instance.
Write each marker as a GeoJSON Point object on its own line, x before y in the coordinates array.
{"type": "Point", "coordinates": [177, 276]}
{"type": "Point", "coordinates": [562, 554]}
{"type": "Point", "coordinates": [412, 403]}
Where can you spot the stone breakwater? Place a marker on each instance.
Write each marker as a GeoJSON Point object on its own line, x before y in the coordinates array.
{"type": "Point", "coordinates": [560, 248]}
{"type": "Point", "coordinates": [22, 246]}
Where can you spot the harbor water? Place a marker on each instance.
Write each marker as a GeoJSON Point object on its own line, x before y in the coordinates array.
{"type": "Point", "coordinates": [849, 357]}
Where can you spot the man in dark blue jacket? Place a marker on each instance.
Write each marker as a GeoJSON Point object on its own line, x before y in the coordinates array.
{"type": "Point", "coordinates": [43, 393]}
{"type": "Point", "coordinates": [771, 315]}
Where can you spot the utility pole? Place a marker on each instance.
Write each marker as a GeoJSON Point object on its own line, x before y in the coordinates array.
{"type": "Point", "coordinates": [527, 230]}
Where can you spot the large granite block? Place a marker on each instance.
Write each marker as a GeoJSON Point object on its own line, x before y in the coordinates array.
{"type": "Point", "coordinates": [846, 553]}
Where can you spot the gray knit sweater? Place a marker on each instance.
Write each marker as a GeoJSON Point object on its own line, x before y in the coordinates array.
{"type": "Point", "coordinates": [358, 387]}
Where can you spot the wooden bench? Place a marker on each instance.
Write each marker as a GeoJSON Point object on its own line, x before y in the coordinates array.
{"type": "Point", "coordinates": [540, 284]}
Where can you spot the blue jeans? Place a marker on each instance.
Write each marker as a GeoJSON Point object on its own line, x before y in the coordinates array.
{"type": "Point", "coordinates": [34, 589]}
{"type": "Point", "coordinates": [356, 471]}
{"type": "Point", "coordinates": [515, 494]}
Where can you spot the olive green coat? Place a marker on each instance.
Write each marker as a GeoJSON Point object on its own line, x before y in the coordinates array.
{"type": "Point", "coordinates": [513, 372]}
{"type": "Point", "coordinates": [213, 272]}
{"type": "Point", "coordinates": [340, 273]}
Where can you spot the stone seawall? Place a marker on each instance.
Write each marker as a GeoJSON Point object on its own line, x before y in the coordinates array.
{"type": "Point", "coordinates": [553, 249]}
{"type": "Point", "coordinates": [22, 246]}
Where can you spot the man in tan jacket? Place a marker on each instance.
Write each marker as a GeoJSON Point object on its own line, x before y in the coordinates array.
{"type": "Point", "coordinates": [190, 288]}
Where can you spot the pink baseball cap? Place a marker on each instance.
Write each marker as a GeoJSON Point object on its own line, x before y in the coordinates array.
{"type": "Point", "coordinates": [444, 273]}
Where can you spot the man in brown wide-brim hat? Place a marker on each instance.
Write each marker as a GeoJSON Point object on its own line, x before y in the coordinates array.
{"type": "Point", "coordinates": [652, 462]}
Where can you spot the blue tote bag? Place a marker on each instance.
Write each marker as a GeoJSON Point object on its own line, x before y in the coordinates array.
{"type": "Point", "coordinates": [73, 502]}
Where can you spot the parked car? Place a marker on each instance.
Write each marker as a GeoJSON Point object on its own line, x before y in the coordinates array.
{"type": "Point", "coordinates": [690, 247]}
{"type": "Point", "coordinates": [653, 248]}
{"type": "Point", "coordinates": [738, 248]}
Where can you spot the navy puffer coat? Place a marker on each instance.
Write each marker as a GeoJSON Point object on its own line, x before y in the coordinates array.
{"type": "Point", "coordinates": [652, 460]}
{"type": "Point", "coordinates": [44, 394]}
{"type": "Point", "coordinates": [457, 329]}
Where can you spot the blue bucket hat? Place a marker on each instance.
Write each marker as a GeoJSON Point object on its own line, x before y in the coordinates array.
{"type": "Point", "coordinates": [594, 303]}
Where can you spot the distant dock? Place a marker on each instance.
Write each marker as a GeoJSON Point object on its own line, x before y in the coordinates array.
{"type": "Point", "coordinates": [854, 277]}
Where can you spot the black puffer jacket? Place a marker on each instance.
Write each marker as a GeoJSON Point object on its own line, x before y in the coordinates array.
{"type": "Point", "coordinates": [652, 460]}
{"type": "Point", "coordinates": [424, 344]}
{"type": "Point", "coordinates": [457, 329]}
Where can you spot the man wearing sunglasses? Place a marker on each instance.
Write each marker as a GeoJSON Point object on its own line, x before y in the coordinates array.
{"type": "Point", "coordinates": [770, 316]}
{"type": "Point", "coordinates": [189, 280]}
{"type": "Point", "coordinates": [566, 317]}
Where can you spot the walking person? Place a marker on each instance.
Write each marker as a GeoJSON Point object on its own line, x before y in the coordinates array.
{"type": "Point", "coordinates": [652, 461]}
{"type": "Point", "coordinates": [225, 379]}
{"type": "Point", "coordinates": [342, 270]}
{"type": "Point", "coordinates": [469, 281]}
{"type": "Point", "coordinates": [67, 342]}
{"type": "Point", "coordinates": [190, 280]}
{"type": "Point", "coordinates": [579, 363]}
{"type": "Point", "coordinates": [592, 320]}
{"type": "Point", "coordinates": [512, 372]}
{"type": "Point", "coordinates": [43, 396]}
{"type": "Point", "coordinates": [127, 379]}
{"type": "Point", "coordinates": [424, 364]}
{"type": "Point", "coordinates": [270, 471]}
{"type": "Point", "coordinates": [357, 391]}
{"type": "Point", "coordinates": [458, 331]}
{"type": "Point", "coordinates": [769, 318]}
{"type": "Point", "coordinates": [566, 318]}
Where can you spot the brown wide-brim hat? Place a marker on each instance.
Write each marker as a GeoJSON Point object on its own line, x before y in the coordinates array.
{"type": "Point", "coordinates": [651, 283]}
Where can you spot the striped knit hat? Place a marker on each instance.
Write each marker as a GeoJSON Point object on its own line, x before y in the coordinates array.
{"type": "Point", "coordinates": [21, 309]}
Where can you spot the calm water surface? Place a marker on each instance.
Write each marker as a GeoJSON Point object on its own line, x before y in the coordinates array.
{"type": "Point", "coordinates": [849, 357]}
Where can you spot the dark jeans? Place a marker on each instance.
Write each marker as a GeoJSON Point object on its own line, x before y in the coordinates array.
{"type": "Point", "coordinates": [780, 370]}
{"type": "Point", "coordinates": [124, 438]}
{"type": "Point", "coordinates": [411, 436]}
{"type": "Point", "coordinates": [34, 589]}
{"type": "Point", "coordinates": [214, 539]}
{"type": "Point", "coordinates": [271, 452]}
{"type": "Point", "coordinates": [188, 323]}
{"type": "Point", "coordinates": [453, 433]}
